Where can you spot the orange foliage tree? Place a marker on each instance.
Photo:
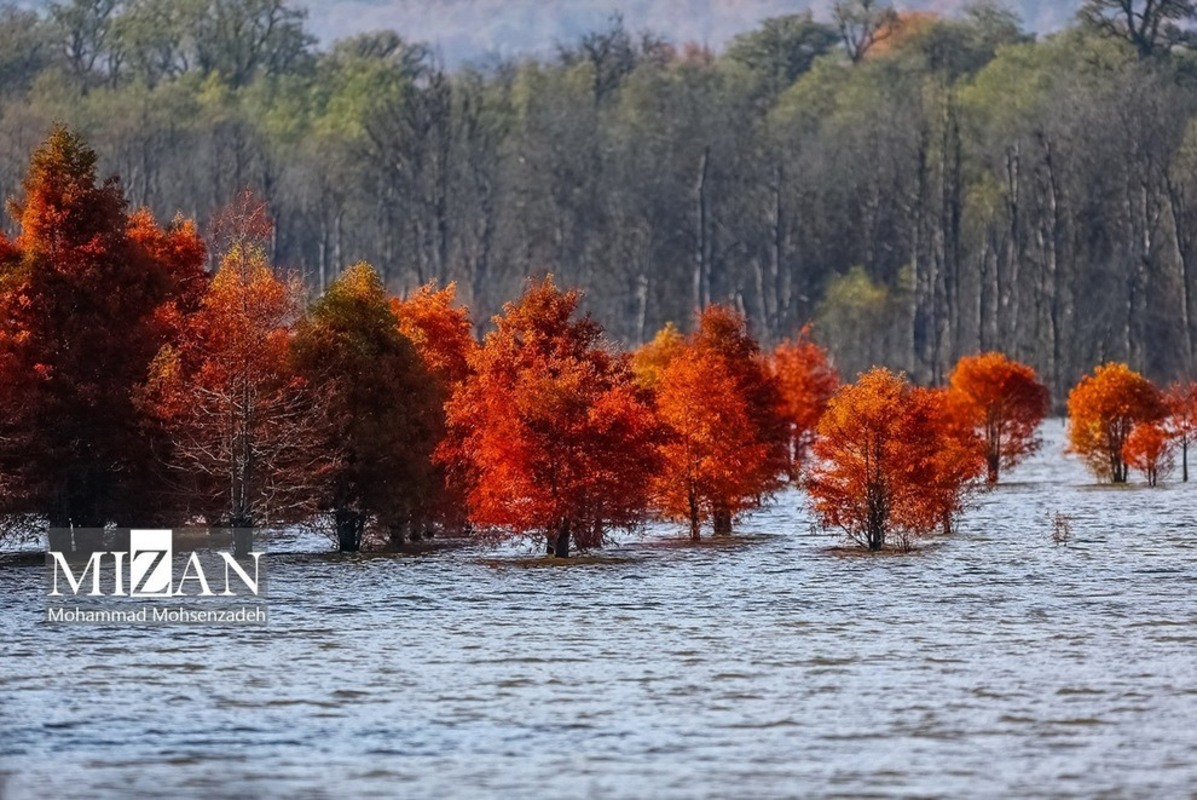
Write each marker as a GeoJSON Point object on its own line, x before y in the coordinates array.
{"type": "Point", "coordinates": [711, 459]}
{"type": "Point", "coordinates": [888, 458]}
{"type": "Point", "coordinates": [723, 334]}
{"type": "Point", "coordinates": [1005, 402]}
{"type": "Point", "coordinates": [1181, 400]}
{"type": "Point", "coordinates": [83, 292]}
{"type": "Point", "coordinates": [807, 382]}
{"type": "Point", "coordinates": [1103, 408]}
{"type": "Point", "coordinates": [1149, 450]}
{"type": "Point", "coordinates": [559, 440]}
{"type": "Point", "coordinates": [651, 359]}
{"type": "Point", "coordinates": [382, 415]}
{"type": "Point", "coordinates": [443, 336]}
{"type": "Point", "coordinates": [244, 431]}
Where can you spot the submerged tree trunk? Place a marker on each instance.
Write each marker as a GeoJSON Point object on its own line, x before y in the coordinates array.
{"type": "Point", "coordinates": [350, 525]}
{"type": "Point", "coordinates": [560, 545]}
{"type": "Point", "coordinates": [723, 522]}
{"type": "Point", "coordinates": [875, 537]}
{"type": "Point", "coordinates": [695, 530]}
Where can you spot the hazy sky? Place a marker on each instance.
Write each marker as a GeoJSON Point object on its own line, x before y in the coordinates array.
{"type": "Point", "coordinates": [466, 29]}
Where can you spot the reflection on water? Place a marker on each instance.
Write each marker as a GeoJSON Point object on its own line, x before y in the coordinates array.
{"type": "Point", "coordinates": [991, 663]}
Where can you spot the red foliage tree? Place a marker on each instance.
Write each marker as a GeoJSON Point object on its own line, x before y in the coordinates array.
{"type": "Point", "coordinates": [382, 412]}
{"type": "Point", "coordinates": [723, 334]}
{"type": "Point", "coordinates": [560, 442]}
{"type": "Point", "coordinates": [1181, 401]}
{"type": "Point", "coordinates": [711, 459]}
{"type": "Point", "coordinates": [82, 293]}
{"type": "Point", "coordinates": [1103, 408]}
{"type": "Point", "coordinates": [807, 381]}
{"type": "Point", "coordinates": [1004, 402]}
{"type": "Point", "coordinates": [440, 329]}
{"type": "Point", "coordinates": [888, 459]}
{"type": "Point", "coordinates": [443, 336]}
{"type": "Point", "coordinates": [244, 430]}
{"type": "Point", "coordinates": [1149, 450]}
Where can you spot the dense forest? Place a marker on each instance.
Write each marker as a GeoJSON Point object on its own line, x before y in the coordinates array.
{"type": "Point", "coordinates": [918, 187]}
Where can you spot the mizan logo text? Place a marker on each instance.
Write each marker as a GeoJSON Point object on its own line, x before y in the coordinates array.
{"type": "Point", "coordinates": [147, 570]}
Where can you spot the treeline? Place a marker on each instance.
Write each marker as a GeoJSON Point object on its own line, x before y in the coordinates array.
{"type": "Point", "coordinates": [138, 388]}
{"type": "Point", "coordinates": [921, 187]}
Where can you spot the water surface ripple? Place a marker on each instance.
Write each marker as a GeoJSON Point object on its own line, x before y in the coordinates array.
{"type": "Point", "coordinates": [993, 663]}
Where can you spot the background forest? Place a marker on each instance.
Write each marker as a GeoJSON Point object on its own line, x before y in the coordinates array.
{"type": "Point", "coordinates": [920, 187]}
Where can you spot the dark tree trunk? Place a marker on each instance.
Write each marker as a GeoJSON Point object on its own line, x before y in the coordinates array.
{"type": "Point", "coordinates": [243, 541]}
{"type": "Point", "coordinates": [561, 543]}
{"type": "Point", "coordinates": [722, 522]}
{"type": "Point", "coordinates": [876, 537]}
{"type": "Point", "coordinates": [695, 530]}
{"type": "Point", "coordinates": [993, 462]}
{"type": "Point", "coordinates": [350, 525]}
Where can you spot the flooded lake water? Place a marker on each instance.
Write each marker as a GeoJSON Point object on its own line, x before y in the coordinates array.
{"type": "Point", "coordinates": [991, 663]}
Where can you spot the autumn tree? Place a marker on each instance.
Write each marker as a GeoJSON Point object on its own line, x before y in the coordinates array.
{"type": "Point", "coordinates": [711, 458]}
{"type": "Point", "coordinates": [723, 335]}
{"type": "Point", "coordinates": [1002, 400]}
{"type": "Point", "coordinates": [443, 337]}
{"type": "Point", "coordinates": [862, 25]}
{"type": "Point", "coordinates": [1181, 400]}
{"type": "Point", "coordinates": [560, 441]}
{"type": "Point", "coordinates": [807, 381]}
{"type": "Point", "coordinates": [82, 291]}
{"type": "Point", "coordinates": [381, 418]}
{"type": "Point", "coordinates": [651, 358]}
{"type": "Point", "coordinates": [887, 460]}
{"type": "Point", "coordinates": [244, 433]}
{"type": "Point", "coordinates": [1103, 409]}
{"type": "Point", "coordinates": [1149, 449]}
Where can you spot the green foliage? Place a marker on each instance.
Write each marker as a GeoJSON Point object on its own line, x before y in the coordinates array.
{"type": "Point", "coordinates": [782, 49]}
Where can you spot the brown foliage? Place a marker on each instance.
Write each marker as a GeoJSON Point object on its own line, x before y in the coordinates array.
{"type": "Point", "coordinates": [244, 430]}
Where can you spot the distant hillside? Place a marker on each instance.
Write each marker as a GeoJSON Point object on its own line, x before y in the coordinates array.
{"type": "Point", "coordinates": [466, 30]}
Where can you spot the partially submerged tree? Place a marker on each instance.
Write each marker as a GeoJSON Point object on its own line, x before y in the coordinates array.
{"type": "Point", "coordinates": [382, 416]}
{"type": "Point", "coordinates": [1103, 409]}
{"type": "Point", "coordinates": [711, 458]}
{"type": "Point", "coordinates": [243, 428]}
{"type": "Point", "coordinates": [1005, 402]}
{"type": "Point", "coordinates": [1181, 400]}
{"type": "Point", "coordinates": [807, 381]}
{"type": "Point", "coordinates": [443, 337]}
{"type": "Point", "coordinates": [83, 290]}
{"type": "Point", "coordinates": [560, 441]}
{"type": "Point", "coordinates": [888, 461]}
{"type": "Point", "coordinates": [1149, 449]}
{"type": "Point", "coordinates": [723, 335]}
